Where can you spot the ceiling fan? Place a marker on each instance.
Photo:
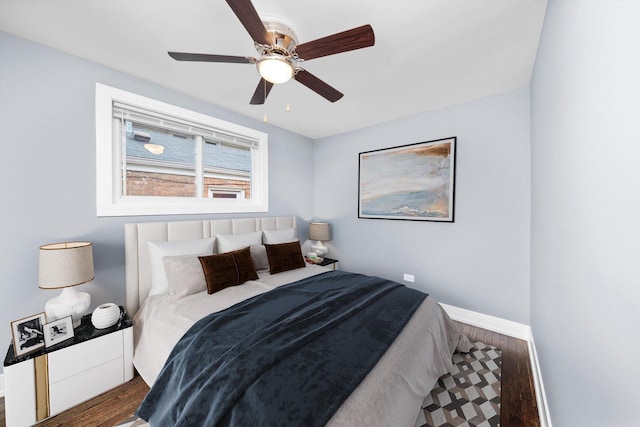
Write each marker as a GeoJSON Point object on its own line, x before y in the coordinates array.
{"type": "Point", "coordinates": [280, 55]}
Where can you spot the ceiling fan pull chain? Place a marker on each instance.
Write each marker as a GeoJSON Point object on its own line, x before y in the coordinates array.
{"type": "Point", "coordinates": [288, 109]}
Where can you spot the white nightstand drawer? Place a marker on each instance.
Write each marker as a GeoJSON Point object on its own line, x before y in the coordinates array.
{"type": "Point", "coordinates": [20, 380]}
{"type": "Point", "coordinates": [81, 357]}
{"type": "Point", "coordinates": [73, 390]}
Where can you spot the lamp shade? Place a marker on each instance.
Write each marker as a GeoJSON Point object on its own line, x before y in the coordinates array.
{"type": "Point", "coordinates": [65, 264]}
{"type": "Point", "coordinates": [319, 231]}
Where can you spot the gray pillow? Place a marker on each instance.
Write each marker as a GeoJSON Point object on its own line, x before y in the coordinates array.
{"type": "Point", "coordinates": [259, 256]}
{"type": "Point", "coordinates": [184, 275]}
{"type": "Point", "coordinates": [158, 250]}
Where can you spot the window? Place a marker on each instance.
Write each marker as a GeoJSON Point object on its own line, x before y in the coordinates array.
{"type": "Point", "coordinates": [155, 159]}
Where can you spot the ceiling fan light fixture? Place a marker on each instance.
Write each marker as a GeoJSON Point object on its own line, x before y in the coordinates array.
{"type": "Point", "coordinates": [156, 149]}
{"type": "Point", "coordinates": [275, 68]}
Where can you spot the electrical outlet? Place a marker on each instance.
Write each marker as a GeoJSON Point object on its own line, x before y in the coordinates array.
{"type": "Point", "coordinates": [409, 277]}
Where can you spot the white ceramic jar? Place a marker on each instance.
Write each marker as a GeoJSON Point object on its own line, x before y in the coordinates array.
{"type": "Point", "coordinates": [105, 315]}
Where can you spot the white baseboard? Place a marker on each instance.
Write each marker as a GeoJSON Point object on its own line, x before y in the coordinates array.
{"type": "Point", "coordinates": [541, 396]}
{"type": "Point", "coordinates": [484, 321]}
{"type": "Point", "coordinates": [1, 385]}
{"type": "Point", "coordinates": [512, 329]}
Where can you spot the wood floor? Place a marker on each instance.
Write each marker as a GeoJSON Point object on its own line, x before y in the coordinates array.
{"type": "Point", "coordinates": [518, 400]}
{"type": "Point", "coordinates": [518, 405]}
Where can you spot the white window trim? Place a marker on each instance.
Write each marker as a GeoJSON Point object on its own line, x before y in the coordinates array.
{"type": "Point", "coordinates": [109, 202]}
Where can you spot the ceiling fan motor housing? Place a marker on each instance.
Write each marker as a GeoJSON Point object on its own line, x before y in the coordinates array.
{"type": "Point", "coordinates": [283, 36]}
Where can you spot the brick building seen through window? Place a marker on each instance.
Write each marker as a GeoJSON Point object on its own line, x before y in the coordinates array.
{"type": "Point", "coordinates": [164, 163]}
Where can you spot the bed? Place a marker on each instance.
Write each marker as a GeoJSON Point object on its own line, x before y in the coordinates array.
{"type": "Point", "coordinates": [390, 394]}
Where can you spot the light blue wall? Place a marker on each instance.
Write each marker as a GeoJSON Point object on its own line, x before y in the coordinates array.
{"type": "Point", "coordinates": [586, 211]}
{"type": "Point", "coordinates": [47, 171]}
{"type": "Point", "coordinates": [481, 261]}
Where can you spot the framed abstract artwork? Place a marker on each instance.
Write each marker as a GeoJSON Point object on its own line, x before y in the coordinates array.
{"type": "Point", "coordinates": [409, 182]}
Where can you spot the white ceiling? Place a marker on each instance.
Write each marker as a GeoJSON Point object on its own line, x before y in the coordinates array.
{"type": "Point", "coordinates": [428, 53]}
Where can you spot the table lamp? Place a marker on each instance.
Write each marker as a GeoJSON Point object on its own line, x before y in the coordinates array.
{"type": "Point", "coordinates": [319, 231]}
{"type": "Point", "coordinates": [62, 266]}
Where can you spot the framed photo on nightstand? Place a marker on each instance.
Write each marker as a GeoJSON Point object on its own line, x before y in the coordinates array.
{"type": "Point", "coordinates": [27, 334]}
{"type": "Point", "coordinates": [58, 331]}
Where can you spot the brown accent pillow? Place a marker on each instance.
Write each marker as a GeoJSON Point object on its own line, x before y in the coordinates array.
{"type": "Point", "coordinates": [227, 269]}
{"type": "Point", "coordinates": [220, 271]}
{"type": "Point", "coordinates": [284, 256]}
{"type": "Point", "coordinates": [246, 268]}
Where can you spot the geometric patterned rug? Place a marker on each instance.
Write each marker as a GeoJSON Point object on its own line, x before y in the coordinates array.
{"type": "Point", "coordinates": [470, 394]}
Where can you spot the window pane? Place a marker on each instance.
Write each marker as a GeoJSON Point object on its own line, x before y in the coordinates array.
{"type": "Point", "coordinates": [154, 158]}
{"type": "Point", "coordinates": [227, 171]}
{"type": "Point", "coordinates": [158, 163]}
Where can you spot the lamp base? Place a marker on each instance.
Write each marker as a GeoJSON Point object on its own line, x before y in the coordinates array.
{"type": "Point", "coordinates": [69, 303]}
{"type": "Point", "coordinates": [320, 249]}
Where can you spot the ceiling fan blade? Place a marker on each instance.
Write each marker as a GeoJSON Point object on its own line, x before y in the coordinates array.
{"type": "Point", "coordinates": [251, 21]}
{"type": "Point", "coordinates": [356, 38]}
{"type": "Point", "coordinates": [261, 93]}
{"type": "Point", "coordinates": [202, 57]}
{"type": "Point", "coordinates": [318, 86]}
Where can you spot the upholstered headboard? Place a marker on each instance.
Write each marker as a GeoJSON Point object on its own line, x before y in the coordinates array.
{"type": "Point", "coordinates": [136, 236]}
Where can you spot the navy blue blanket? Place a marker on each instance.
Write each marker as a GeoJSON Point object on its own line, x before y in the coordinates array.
{"type": "Point", "coordinates": [288, 357]}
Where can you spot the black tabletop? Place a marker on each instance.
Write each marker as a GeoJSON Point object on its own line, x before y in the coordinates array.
{"type": "Point", "coordinates": [82, 333]}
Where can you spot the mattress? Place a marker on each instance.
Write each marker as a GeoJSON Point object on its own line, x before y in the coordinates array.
{"type": "Point", "coordinates": [392, 392]}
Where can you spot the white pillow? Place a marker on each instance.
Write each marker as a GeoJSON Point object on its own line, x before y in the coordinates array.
{"type": "Point", "coordinates": [232, 242]}
{"type": "Point", "coordinates": [185, 275]}
{"type": "Point", "coordinates": [158, 250]}
{"type": "Point", "coordinates": [273, 237]}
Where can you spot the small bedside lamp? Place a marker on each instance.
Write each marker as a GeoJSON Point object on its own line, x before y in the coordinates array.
{"type": "Point", "coordinates": [319, 231]}
{"type": "Point", "coordinates": [64, 265]}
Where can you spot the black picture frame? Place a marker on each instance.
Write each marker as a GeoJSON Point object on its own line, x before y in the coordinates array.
{"type": "Point", "coordinates": [413, 182]}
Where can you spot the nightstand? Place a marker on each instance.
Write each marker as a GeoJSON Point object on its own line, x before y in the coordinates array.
{"type": "Point", "coordinates": [326, 262]}
{"type": "Point", "coordinates": [52, 380]}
